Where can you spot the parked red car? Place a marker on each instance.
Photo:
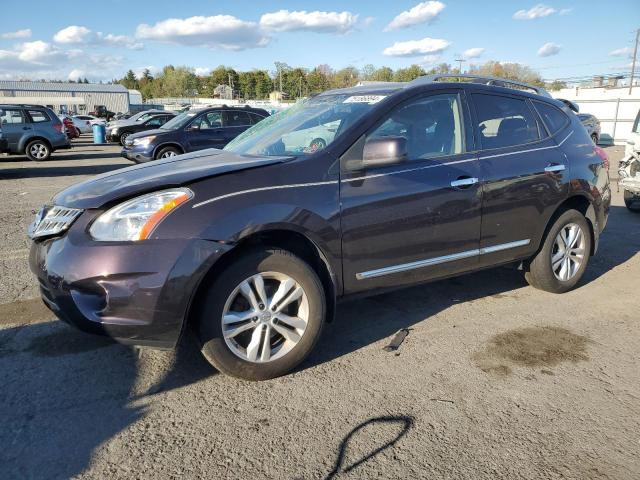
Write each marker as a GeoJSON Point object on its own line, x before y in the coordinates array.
{"type": "Point", "coordinates": [69, 127]}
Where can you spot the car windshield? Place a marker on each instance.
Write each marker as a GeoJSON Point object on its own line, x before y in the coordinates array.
{"type": "Point", "coordinates": [179, 121]}
{"type": "Point", "coordinates": [306, 127]}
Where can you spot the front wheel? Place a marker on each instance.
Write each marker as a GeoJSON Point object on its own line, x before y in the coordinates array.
{"type": "Point", "coordinates": [123, 137]}
{"type": "Point", "coordinates": [632, 201]}
{"type": "Point", "coordinates": [563, 258]}
{"type": "Point", "coordinates": [167, 152]}
{"type": "Point", "coordinates": [262, 316]}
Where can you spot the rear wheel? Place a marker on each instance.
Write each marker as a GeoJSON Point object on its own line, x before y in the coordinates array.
{"type": "Point", "coordinates": [262, 316]}
{"type": "Point", "coordinates": [563, 258]}
{"type": "Point", "coordinates": [38, 150]}
{"type": "Point", "coordinates": [594, 137]}
{"type": "Point", "coordinates": [632, 201]}
{"type": "Point", "coordinates": [167, 152]}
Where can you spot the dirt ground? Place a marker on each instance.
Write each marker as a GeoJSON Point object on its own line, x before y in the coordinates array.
{"type": "Point", "coordinates": [495, 380]}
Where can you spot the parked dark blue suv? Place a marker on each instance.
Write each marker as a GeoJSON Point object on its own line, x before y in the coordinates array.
{"type": "Point", "coordinates": [253, 245]}
{"type": "Point", "coordinates": [190, 131]}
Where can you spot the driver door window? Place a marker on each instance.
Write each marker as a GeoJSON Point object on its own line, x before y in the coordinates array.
{"type": "Point", "coordinates": [432, 126]}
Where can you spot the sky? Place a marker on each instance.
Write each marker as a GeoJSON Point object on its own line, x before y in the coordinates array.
{"type": "Point", "coordinates": [103, 39]}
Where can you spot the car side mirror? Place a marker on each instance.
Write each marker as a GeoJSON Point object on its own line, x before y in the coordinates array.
{"type": "Point", "coordinates": [193, 128]}
{"type": "Point", "coordinates": [383, 151]}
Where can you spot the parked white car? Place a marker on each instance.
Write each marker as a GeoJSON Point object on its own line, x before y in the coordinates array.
{"type": "Point", "coordinates": [84, 123]}
{"type": "Point", "coordinates": [311, 139]}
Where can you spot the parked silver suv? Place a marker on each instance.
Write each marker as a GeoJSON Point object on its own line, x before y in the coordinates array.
{"type": "Point", "coordinates": [32, 130]}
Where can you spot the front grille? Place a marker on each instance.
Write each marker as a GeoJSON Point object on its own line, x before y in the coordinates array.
{"type": "Point", "coordinates": [52, 221]}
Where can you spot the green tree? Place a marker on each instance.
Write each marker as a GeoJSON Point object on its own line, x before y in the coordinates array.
{"type": "Point", "coordinates": [408, 74]}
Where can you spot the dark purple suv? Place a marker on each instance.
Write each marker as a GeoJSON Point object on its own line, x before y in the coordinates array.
{"type": "Point", "coordinates": [352, 191]}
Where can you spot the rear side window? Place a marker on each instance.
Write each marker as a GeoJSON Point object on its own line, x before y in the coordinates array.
{"type": "Point", "coordinates": [236, 118]}
{"type": "Point", "coordinates": [504, 121]}
{"type": "Point", "coordinates": [554, 118]}
{"type": "Point", "coordinates": [255, 118]}
{"type": "Point", "coordinates": [10, 116]}
{"type": "Point", "coordinates": [38, 116]}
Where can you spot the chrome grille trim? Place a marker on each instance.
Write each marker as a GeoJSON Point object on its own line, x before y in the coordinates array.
{"type": "Point", "coordinates": [52, 221]}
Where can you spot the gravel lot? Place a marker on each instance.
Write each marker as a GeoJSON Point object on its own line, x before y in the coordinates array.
{"type": "Point", "coordinates": [494, 380]}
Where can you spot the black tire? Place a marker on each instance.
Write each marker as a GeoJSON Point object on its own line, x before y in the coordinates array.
{"type": "Point", "coordinates": [123, 137]}
{"type": "Point", "coordinates": [167, 152]}
{"type": "Point", "coordinates": [632, 201]}
{"type": "Point", "coordinates": [213, 345]}
{"type": "Point", "coordinates": [539, 272]}
{"type": "Point", "coordinates": [594, 138]}
{"type": "Point", "coordinates": [38, 150]}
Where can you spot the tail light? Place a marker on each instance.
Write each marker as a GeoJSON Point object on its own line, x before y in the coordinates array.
{"type": "Point", "coordinates": [603, 155]}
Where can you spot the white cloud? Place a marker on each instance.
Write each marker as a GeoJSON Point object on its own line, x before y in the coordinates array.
{"type": "Point", "coordinates": [473, 52]}
{"type": "Point", "coordinates": [78, 35]}
{"type": "Point", "coordinates": [319, 22]}
{"type": "Point", "coordinates": [425, 12]}
{"type": "Point", "coordinates": [549, 49]}
{"type": "Point", "coordinates": [76, 73]}
{"type": "Point", "coordinates": [565, 11]}
{"type": "Point", "coordinates": [219, 31]}
{"type": "Point", "coordinates": [368, 21]}
{"type": "Point", "coordinates": [538, 11]}
{"type": "Point", "coordinates": [72, 34]}
{"type": "Point", "coordinates": [202, 71]}
{"type": "Point", "coordinates": [429, 60]}
{"type": "Point", "coordinates": [414, 48]}
{"type": "Point", "coordinates": [26, 33]}
{"type": "Point", "coordinates": [621, 52]}
{"type": "Point", "coordinates": [40, 59]}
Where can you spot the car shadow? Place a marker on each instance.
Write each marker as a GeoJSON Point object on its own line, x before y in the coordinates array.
{"type": "Point", "coordinates": [66, 393]}
{"type": "Point", "coordinates": [57, 171]}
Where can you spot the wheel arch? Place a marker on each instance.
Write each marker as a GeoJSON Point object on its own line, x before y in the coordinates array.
{"type": "Point", "coordinates": [584, 205]}
{"type": "Point", "coordinates": [286, 239]}
{"type": "Point", "coordinates": [26, 141]}
{"type": "Point", "coordinates": [165, 145]}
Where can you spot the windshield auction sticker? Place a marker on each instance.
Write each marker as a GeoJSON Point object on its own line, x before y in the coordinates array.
{"type": "Point", "coordinates": [365, 99]}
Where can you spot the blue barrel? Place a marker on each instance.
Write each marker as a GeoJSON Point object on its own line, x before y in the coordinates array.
{"type": "Point", "coordinates": [99, 132]}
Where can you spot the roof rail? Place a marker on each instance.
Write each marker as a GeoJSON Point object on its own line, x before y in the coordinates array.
{"type": "Point", "coordinates": [498, 82]}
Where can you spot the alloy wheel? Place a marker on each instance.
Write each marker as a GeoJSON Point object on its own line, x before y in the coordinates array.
{"type": "Point", "coordinates": [568, 252]}
{"type": "Point", "coordinates": [39, 151]}
{"type": "Point", "coordinates": [265, 317]}
{"type": "Point", "coordinates": [168, 154]}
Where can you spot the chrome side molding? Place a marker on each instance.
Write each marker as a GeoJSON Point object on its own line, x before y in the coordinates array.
{"type": "Point", "coordinates": [379, 272]}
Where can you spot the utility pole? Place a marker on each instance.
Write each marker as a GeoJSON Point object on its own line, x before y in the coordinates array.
{"type": "Point", "coordinates": [633, 64]}
{"type": "Point", "coordinates": [460, 60]}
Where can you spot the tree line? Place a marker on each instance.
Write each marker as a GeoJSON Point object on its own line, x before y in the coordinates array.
{"type": "Point", "coordinates": [297, 82]}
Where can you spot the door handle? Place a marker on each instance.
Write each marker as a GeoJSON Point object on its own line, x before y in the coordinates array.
{"type": "Point", "coordinates": [463, 182]}
{"type": "Point", "coordinates": [26, 128]}
{"type": "Point", "coordinates": [554, 168]}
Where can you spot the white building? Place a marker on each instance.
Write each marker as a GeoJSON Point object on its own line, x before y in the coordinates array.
{"type": "Point", "coordinates": [69, 97]}
{"type": "Point", "coordinates": [613, 106]}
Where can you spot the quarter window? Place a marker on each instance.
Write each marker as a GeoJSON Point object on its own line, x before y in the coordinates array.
{"type": "Point", "coordinates": [255, 118]}
{"type": "Point", "coordinates": [10, 116]}
{"type": "Point", "coordinates": [38, 116]}
{"type": "Point", "coordinates": [432, 126]}
{"type": "Point", "coordinates": [504, 121]}
{"type": "Point", "coordinates": [554, 118]}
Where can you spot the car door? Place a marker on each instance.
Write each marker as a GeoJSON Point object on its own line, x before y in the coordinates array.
{"type": "Point", "coordinates": [420, 218]}
{"type": "Point", "coordinates": [523, 174]}
{"type": "Point", "coordinates": [14, 126]}
{"type": "Point", "coordinates": [206, 131]}
{"type": "Point", "coordinates": [236, 122]}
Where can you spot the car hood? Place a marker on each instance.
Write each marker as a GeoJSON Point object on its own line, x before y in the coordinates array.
{"type": "Point", "coordinates": [147, 177]}
{"type": "Point", "coordinates": [155, 131]}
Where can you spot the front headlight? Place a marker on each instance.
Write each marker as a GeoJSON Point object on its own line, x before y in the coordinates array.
{"type": "Point", "coordinates": [136, 219]}
{"type": "Point", "coordinates": [113, 130]}
{"type": "Point", "coordinates": [144, 141]}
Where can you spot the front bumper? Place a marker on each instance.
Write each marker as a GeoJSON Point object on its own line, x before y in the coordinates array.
{"type": "Point", "coordinates": [135, 292]}
{"type": "Point", "coordinates": [137, 155]}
